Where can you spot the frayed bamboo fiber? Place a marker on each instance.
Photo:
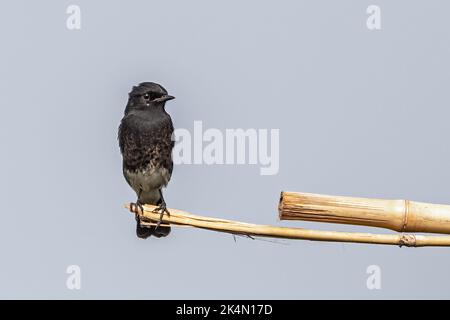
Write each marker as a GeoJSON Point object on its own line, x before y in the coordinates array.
{"type": "Point", "coordinates": [182, 218]}
{"type": "Point", "coordinates": [397, 215]}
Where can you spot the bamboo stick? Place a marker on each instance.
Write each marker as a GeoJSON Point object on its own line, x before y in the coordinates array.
{"type": "Point", "coordinates": [397, 215]}
{"type": "Point", "coordinates": [179, 217]}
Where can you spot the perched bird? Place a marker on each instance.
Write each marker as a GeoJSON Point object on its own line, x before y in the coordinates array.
{"type": "Point", "coordinates": [145, 140]}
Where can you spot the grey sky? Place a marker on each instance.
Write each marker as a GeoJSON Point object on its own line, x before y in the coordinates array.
{"type": "Point", "coordinates": [361, 113]}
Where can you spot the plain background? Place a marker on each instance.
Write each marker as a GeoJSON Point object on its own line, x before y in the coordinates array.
{"type": "Point", "coordinates": [360, 113]}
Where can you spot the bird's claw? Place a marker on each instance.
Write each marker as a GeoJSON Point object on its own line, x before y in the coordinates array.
{"type": "Point", "coordinates": [161, 209]}
{"type": "Point", "coordinates": [138, 210]}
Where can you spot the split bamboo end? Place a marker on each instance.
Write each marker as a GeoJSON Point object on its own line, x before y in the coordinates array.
{"type": "Point", "coordinates": [397, 215]}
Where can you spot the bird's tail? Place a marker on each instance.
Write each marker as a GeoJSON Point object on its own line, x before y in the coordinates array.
{"type": "Point", "coordinates": [145, 232]}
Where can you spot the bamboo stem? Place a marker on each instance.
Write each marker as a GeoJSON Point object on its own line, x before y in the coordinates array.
{"type": "Point", "coordinates": [397, 215]}
{"type": "Point", "coordinates": [179, 217]}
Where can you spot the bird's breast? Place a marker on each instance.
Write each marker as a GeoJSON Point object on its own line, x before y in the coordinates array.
{"type": "Point", "coordinates": [148, 179]}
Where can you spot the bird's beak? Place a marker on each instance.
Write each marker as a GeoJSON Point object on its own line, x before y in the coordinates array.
{"type": "Point", "coordinates": [165, 98]}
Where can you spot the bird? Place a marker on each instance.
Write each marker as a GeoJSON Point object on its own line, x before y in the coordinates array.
{"type": "Point", "coordinates": [146, 143]}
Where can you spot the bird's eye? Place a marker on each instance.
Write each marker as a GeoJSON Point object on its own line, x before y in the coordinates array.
{"type": "Point", "coordinates": [146, 96]}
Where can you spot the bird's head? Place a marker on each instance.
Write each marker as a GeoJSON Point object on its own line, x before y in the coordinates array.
{"type": "Point", "coordinates": [147, 95]}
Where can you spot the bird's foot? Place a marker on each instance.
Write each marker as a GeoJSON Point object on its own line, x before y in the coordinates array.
{"type": "Point", "coordinates": [138, 210]}
{"type": "Point", "coordinates": [161, 209]}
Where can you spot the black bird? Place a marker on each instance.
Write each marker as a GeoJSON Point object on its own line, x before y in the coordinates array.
{"type": "Point", "coordinates": [145, 140]}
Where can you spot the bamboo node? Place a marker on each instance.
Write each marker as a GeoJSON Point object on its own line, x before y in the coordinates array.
{"type": "Point", "coordinates": [405, 216]}
{"type": "Point", "coordinates": [407, 240]}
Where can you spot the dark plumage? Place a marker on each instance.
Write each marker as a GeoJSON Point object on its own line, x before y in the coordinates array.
{"type": "Point", "coordinates": [145, 140]}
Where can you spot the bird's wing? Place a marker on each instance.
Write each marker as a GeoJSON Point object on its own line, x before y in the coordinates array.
{"type": "Point", "coordinates": [146, 141]}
